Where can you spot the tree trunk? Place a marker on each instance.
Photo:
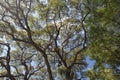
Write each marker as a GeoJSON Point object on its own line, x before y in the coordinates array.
{"type": "Point", "coordinates": [69, 75]}
{"type": "Point", "coordinates": [48, 67]}
{"type": "Point", "coordinates": [45, 58]}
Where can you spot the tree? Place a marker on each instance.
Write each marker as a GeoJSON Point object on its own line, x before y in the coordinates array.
{"type": "Point", "coordinates": [42, 38]}
{"type": "Point", "coordinates": [104, 38]}
{"type": "Point", "coordinates": [49, 39]}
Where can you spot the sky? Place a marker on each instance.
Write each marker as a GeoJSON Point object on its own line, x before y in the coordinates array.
{"type": "Point", "coordinates": [90, 63]}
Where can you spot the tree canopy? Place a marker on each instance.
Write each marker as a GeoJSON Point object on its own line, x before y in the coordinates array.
{"type": "Point", "coordinates": [51, 39]}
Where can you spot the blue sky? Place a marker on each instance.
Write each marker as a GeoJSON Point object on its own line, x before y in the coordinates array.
{"type": "Point", "coordinates": [90, 63]}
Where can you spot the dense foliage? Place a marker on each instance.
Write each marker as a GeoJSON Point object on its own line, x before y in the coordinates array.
{"type": "Point", "coordinates": [104, 42]}
{"type": "Point", "coordinates": [51, 39]}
